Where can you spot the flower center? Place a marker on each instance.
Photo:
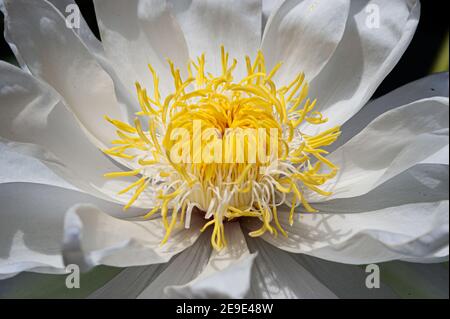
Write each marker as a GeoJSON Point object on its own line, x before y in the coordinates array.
{"type": "Point", "coordinates": [230, 147]}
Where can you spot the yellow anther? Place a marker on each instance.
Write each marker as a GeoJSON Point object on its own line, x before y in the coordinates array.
{"type": "Point", "coordinates": [125, 173]}
{"type": "Point", "coordinates": [238, 185]}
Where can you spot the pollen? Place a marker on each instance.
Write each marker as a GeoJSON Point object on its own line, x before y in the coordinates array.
{"type": "Point", "coordinates": [231, 148]}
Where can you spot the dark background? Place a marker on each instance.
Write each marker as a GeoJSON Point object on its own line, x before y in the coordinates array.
{"type": "Point", "coordinates": [415, 63]}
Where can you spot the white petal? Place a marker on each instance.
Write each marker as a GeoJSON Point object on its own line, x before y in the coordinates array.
{"type": "Point", "coordinates": [345, 281]}
{"type": "Point", "coordinates": [16, 168]}
{"type": "Point", "coordinates": [364, 57]}
{"type": "Point", "coordinates": [303, 34]}
{"type": "Point", "coordinates": [131, 32]}
{"type": "Point", "coordinates": [429, 86]}
{"type": "Point", "coordinates": [130, 282]}
{"type": "Point", "coordinates": [392, 143]}
{"type": "Point", "coordinates": [11, 44]}
{"type": "Point", "coordinates": [32, 225]}
{"type": "Point", "coordinates": [92, 237]}
{"type": "Point", "coordinates": [84, 33]}
{"type": "Point", "coordinates": [277, 275]}
{"type": "Point", "coordinates": [125, 97]}
{"type": "Point", "coordinates": [227, 274]}
{"type": "Point", "coordinates": [208, 24]}
{"type": "Point", "coordinates": [269, 7]}
{"type": "Point", "coordinates": [412, 232]}
{"type": "Point", "coordinates": [174, 280]}
{"type": "Point", "coordinates": [421, 183]}
{"type": "Point", "coordinates": [182, 269]}
{"type": "Point", "coordinates": [440, 157]}
{"type": "Point", "coordinates": [55, 53]}
{"type": "Point", "coordinates": [68, 9]}
{"type": "Point", "coordinates": [36, 123]}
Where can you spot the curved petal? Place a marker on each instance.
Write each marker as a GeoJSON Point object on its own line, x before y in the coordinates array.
{"type": "Point", "coordinates": [277, 275]}
{"type": "Point", "coordinates": [430, 86]}
{"type": "Point", "coordinates": [195, 273]}
{"type": "Point", "coordinates": [92, 237]}
{"type": "Point", "coordinates": [130, 282]}
{"type": "Point", "coordinates": [367, 53]}
{"type": "Point", "coordinates": [269, 7]}
{"type": "Point", "coordinates": [416, 232]}
{"type": "Point", "coordinates": [397, 279]}
{"type": "Point", "coordinates": [126, 98]}
{"type": "Point", "coordinates": [16, 168]}
{"type": "Point", "coordinates": [308, 277]}
{"type": "Point", "coordinates": [209, 24]}
{"type": "Point", "coordinates": [345, 281]}
{"type": "Point", "coordinates": [181, 270]}
{"type": "Point", "coordinates": [134, 282]}
{"type": "Point", "coordinates": [440, 157]}
{"type": "Point", "coordinates": [131, 32]}
{"type": "Point", "coordinates": [303, 34]}
{"type": "Point", "coordinates": [418, 184]}
{"type": "Point", "coordinates": [392, 143]}
{"type": "Point", "coordinates": [55, 53]}
{"type": "Point", "coordinates": [32, 225]}
{"type": "Point", "coordinates": [35, 122]}
{"type": "Point", "coordinates": [67, 9]}
{"type": "Point", "coordinates": [11, 44]}
{"type": "Point", "coordinates": [227, 274]}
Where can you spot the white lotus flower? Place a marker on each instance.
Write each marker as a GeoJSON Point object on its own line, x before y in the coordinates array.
{"type": "Point", "coordinates": [379, 192]}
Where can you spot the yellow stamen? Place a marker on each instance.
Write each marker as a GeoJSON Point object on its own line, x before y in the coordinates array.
{"type": "Point", "coordinates": [239, 185]}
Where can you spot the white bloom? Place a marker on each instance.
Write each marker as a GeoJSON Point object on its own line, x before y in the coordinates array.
{"type": "Point", "coordinates": [389, 199]}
